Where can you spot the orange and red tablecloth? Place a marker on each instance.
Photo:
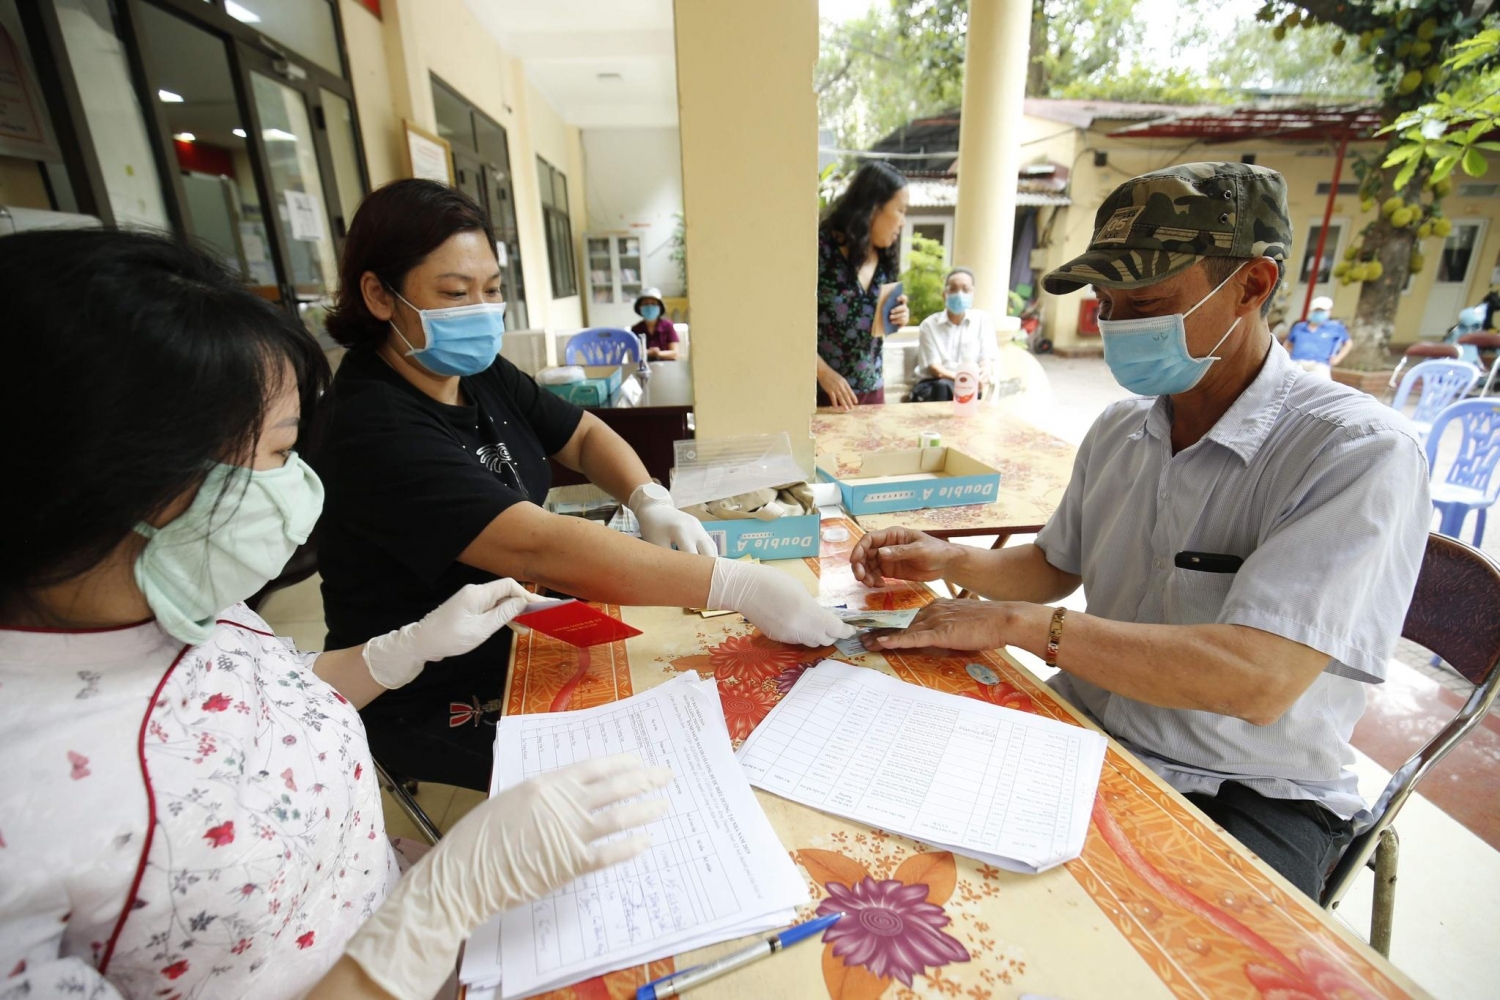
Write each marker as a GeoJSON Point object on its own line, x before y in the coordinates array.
{"type": "Point", "coordinates": [1160, 903]}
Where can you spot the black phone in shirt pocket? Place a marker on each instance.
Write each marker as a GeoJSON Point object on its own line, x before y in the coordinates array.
{"type": "Point", "coordinates": [1209, 562]}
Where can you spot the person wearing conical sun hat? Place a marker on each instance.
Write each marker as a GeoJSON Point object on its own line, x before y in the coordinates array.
{"type": "Point", "coordinates": [661, 336]}
{"type": "Point", "coordinates": [1248, 535]}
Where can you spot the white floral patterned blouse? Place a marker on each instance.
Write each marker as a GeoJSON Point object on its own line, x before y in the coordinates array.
{"type": "Point", "coordinates": [179, 822]}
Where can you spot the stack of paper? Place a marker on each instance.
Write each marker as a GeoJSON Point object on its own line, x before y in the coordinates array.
{"type": "Point", "coordinates": [1009, 788]}
{"type": "Point", "coordinates": [715, 869]}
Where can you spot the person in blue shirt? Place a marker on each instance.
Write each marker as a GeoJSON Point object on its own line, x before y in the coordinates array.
{"type": "Point", "coordinates": [1318, 342]}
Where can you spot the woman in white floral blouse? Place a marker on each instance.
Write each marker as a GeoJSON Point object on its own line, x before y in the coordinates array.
{"type": "Point", "coordinates": [187, 804]}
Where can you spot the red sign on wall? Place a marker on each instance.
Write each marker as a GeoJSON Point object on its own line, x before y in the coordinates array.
{"type": "Point", "coordinates": [373, 6]}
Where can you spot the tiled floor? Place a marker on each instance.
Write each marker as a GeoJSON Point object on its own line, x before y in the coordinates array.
{"type": "Point", "coordinates": [1448, 896]}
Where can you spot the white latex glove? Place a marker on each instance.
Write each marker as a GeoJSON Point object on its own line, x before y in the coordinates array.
{"type": "Point", "coordinates": [663, 524]}
{"type": "Point", "coordinates": [774, 603]}
{"type": "Point", "coordinates": [516, 847]}
{"type": "Point", "coordinates": [456, 626]}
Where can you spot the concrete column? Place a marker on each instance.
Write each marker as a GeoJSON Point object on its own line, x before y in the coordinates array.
{"type": "Point", "coordinates": [749, 128]}
{"type": "Point", "coordinates": [989, 145]}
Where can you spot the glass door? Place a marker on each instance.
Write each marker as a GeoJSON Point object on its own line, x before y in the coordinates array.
{"type": "Point", "coordinates": [302, 203]}
{"type": "Point", "coordinates": [1456, 264]}
{"type": "Point", "coordinates": [207, 157]}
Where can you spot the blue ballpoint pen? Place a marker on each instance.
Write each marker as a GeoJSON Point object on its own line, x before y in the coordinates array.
{"type": "Point", "coordinates": [680, 982]}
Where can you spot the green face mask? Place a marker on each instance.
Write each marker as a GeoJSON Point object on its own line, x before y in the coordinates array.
{"type": "Point", "coordinates": [233, 539]}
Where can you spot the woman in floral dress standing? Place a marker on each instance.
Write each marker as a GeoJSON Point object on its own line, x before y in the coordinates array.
{"type": "Point", "coordinates": [188, 806]}
{"type": "Point", "coordinates": [858, 251]}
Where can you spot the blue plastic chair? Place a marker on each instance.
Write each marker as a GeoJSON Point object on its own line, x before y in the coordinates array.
{"type": "Point", "coordinates": [602, 346]}
{"type": "Point", "coordinates": [1443, 382]}
{"type": "Point", "coordinates": [1471, 483]}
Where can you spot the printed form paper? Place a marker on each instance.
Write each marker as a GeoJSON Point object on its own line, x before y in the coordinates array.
{"type": "Point", "coordinates": [715, 869]}
{"type": "Point", "coordinates": [1006, 787]}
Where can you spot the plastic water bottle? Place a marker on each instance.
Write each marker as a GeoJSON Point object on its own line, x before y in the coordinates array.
{"type": "Point", "coordinates": [965, 392]}
{"type": "Point", "coordinates": [642, 368]}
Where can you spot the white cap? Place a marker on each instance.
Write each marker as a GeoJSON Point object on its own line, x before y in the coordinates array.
{"type": "Point", "coordinates": [650, 293]}
{"type": "Point", "coordinates": [1321, 302]}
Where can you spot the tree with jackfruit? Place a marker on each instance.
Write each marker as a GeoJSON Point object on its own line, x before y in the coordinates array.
{"type": "Point", "coordinates": [1437, 63]}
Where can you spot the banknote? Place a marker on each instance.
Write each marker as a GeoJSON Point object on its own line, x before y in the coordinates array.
{"type": "Point", "coordinates": [863, 618]}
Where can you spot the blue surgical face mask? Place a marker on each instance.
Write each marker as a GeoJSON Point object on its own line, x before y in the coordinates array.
{"type": "Point", "coordinates": [959, 302]}
{"type": "Point", "coordinates": [233, 539]}
{"type": "Point", "coordinates": [1149, 356]}
{"type": "Point", "coordinates": [1318, 316]}
{"type": "Point", "coordinates": [463, 340]}
{"type": "Point", "coordinates": [651, 312]}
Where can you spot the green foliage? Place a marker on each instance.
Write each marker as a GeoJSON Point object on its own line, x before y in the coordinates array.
{"type": "Point", "coordinates": [1448, 133]}
{"type": "Point", "coordinates": [830, 182]}
{"type": "Point", "coordinates": [679, 248]}
{"type": "Point", "coordinates": [900, 61]}
{"type": "Point", "coordinates": [1302, 62]}
{"type": "Point", "coordinates": [923, 278]}
{"type": "Point", "coordinates": [1148, 85]}
{"type": "Point", "coordinates": [1090, 49]}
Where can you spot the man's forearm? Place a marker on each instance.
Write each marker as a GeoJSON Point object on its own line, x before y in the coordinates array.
{"type": "Point", "coordinates": [1230, 670]}
{"type": "Point", "coordinates": [1015, 573]}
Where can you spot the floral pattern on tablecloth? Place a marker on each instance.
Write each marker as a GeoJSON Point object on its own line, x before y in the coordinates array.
{"type": "Point", "coordinates": [1206, 920]}
{"type": "Point", "coordinates": [1034, 466]}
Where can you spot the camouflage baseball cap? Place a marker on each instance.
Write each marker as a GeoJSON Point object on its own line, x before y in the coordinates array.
{"type": "Point", "coordinates": [1160, 224]}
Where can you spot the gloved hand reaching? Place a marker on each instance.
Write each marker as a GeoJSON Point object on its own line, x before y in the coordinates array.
{"type": "Point", "coordinates": [774, 603]}
{"type": "Point", "coordinates": [518, 846]}
{"type": "Point", "coordinates": [458, 625]}
{"type": "Point", "coordinates": [663, 524]}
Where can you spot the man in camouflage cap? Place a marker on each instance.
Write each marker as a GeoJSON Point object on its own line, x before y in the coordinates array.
{"type": "Point", "coordinates": [1162, 223]}
{"type": "Point", "coordinates": [1248, 536]}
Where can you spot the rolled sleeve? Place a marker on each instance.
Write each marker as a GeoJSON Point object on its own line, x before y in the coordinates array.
{"type": "Point", "coordinates": [1061, 538]}
{"type": "Point", "coordinates": [1338, 568]}
{"type": "Point", "coordinates": [928, 353]}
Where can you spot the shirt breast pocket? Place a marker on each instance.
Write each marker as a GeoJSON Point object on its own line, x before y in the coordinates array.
{"type": "Point", "coordinates": [1195, 597]}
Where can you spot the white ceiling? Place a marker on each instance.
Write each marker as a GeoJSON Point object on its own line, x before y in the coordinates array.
{"type": "Point", "coordinates": [567, 44]}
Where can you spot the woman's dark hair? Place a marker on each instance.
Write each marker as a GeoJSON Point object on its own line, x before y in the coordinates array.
{"type": "Point", "coordinates": [135, 364]}
{"type": "Point", "coordinates": [395, 229]}
{"type": "Point", "coordinates": [872, 185]}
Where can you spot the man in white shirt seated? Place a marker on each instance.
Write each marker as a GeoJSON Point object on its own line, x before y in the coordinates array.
{"type": "Point", "coordinates": [960, 337]}
{"type": "Point", "coordinates": [1247, 536]}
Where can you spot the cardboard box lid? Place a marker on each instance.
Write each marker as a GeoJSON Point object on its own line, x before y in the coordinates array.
{"type": "Point", "coordinates": [915, 463]}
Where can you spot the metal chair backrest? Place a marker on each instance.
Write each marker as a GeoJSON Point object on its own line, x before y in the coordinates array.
{"type": "Point", "coordinates": [1452, 613]}
{"type": "Point", "coordinates": [1442, 383]}
{"type": "Point", "coordinates": [602, 346]}
{"type": "Point", "coordinates": [1478, 452]}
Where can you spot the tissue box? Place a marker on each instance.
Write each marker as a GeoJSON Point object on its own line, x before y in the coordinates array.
{"type": "Point", "coordinates": [599, 385]}
{"type": "Point", "coordinates": [783, 538]}
{"type": "Point", "coordinates": [913, 479]}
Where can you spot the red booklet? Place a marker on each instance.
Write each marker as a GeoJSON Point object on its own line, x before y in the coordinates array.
{"type": "Point", "coordinates": [574, 622]}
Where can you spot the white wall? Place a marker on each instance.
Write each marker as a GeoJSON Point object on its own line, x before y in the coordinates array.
{"type": "Point", "coordinates": [634, 180]}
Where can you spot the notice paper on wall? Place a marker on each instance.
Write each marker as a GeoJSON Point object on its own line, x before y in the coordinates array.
{"type": "Point", "coordinates": [1006, 787]}
{"type": "Point", "coordinates": [715, 869]}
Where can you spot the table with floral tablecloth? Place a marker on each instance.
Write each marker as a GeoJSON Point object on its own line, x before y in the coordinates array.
{"type": "Point", "coordinates": [1034, 466]}
{"type": "Point", "coordinates": [1160, 903]}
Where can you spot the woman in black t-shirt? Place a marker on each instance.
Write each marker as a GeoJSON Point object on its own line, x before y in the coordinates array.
{"type": "Point", "coordinates": [433, 452]}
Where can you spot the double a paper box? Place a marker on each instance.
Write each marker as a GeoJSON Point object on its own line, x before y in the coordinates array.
{"type": "Point", "coordinates": [779, 538]}
{"type": "Point", "coordinates": [599, 385]}
{"type": "Point", "coordinates": [912, 479]}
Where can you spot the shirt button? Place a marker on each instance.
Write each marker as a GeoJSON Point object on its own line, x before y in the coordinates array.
{"type": "Point", "coordinates": [1158, 563]}
{"type": "Point", "coordinates": [1162, 496]}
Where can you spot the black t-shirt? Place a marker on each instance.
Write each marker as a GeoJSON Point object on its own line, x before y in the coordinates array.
{"type": "Point", "coordinates": [410, 482]}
